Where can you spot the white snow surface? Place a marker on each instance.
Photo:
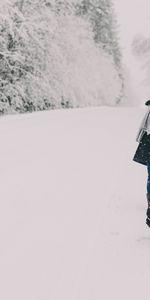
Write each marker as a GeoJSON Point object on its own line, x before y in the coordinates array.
{"type": "Point", "coordinates": [72, 208]}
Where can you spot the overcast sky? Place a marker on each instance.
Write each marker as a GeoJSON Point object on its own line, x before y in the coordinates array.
{"type": "Point", "coordinates": [133, 18]}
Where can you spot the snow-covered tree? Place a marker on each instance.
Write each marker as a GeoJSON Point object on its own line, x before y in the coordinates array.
{"type": "Point", "coordinates": [22, 53]}
{"type": "Point", "coordinates": [141, 46]}
{"type": "Point", "coordinates": [50, 57]}
{"type": "Point", "coordinates": [102, 17]}
{"type": "Point", "coordinates": [141, 50]}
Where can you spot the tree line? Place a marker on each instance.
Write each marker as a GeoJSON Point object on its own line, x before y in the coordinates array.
{"type": "Point", "coordinates": [58, 54]}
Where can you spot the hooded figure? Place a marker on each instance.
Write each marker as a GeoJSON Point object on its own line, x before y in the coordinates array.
{"type": "Point", "coordinates": [142, 154]}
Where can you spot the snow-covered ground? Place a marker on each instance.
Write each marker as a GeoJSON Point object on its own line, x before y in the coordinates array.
{"type": "Point", "coordinates": [72, 209]}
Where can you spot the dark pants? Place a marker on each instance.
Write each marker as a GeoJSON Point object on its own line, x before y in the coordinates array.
{"type": "Point", "coordinates": [148, 179]}
{"type": "Point", "coordinates": [148, 191]}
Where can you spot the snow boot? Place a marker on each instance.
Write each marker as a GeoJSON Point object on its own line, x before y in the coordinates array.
{"type": "Point", "coordinates": [148, 210]}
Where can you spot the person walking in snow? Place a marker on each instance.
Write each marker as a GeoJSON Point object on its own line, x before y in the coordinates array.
{"type": "Point", "coordinates": [142, 154]}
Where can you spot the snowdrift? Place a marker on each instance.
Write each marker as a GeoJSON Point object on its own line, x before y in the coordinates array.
{"type": "Point", "coordinates": [72, 209]}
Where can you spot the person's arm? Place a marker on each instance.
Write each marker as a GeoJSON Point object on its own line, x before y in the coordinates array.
{"type": "Point", "coordinates": [143, 127]}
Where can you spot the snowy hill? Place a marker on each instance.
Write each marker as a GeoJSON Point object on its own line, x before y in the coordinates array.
{"type": "Point", "coordinates": [72, 210]}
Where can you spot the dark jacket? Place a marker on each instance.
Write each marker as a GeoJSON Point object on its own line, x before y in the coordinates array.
{"type": "Point", "coordinates": [142, 154]}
